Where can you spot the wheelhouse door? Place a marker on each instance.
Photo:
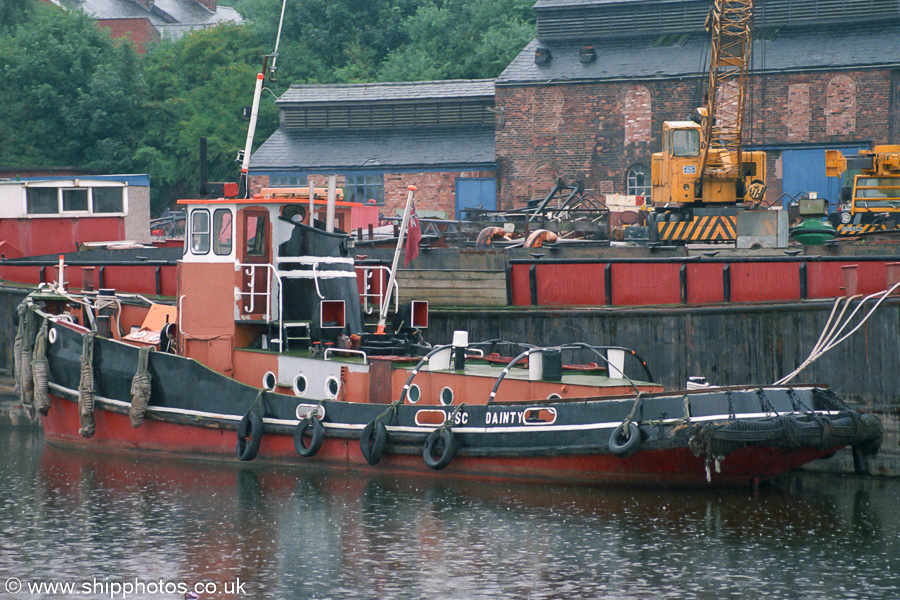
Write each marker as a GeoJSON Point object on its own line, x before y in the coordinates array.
{"type": "Point", "coordinates": [255, 256]}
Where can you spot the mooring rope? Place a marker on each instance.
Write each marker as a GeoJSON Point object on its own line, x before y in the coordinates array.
{"type": "Point", "coordinates": [140, 388]}
{"type": "Point", "coordinates": [41, 370]}
{"type": "Point", "coordinates": [86, 386]}
{"type": "Point", "coordinates": [829, 337]}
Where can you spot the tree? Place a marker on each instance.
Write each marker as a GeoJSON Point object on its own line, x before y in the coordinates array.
{"type": "Point", "coordinates": [197, 87]}
{"type": "Point", "coordinates": [71, 95]}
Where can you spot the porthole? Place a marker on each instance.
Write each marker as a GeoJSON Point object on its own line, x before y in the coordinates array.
{"type": "Point", "coordinates": [554, 397]}
{"type": "Point", "coordinates": [413, 394]}
{"type": "Point", "coordinates": [446, 396]}
{"type": "Point", "coordinates": [51, 336]}
{"type": "Point", "coordinates": [269, 380]}
{"type": "Point", "coordinates": [300, 386]}
{"type": "Point", "coordinates": [332, 387]}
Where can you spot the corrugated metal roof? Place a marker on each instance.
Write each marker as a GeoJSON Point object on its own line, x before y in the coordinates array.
{"type": "Point", "coordinates": [869, 47]}
{"type": "Point", "coordinates": [396, 91]}
{"type": "Point", "coordinates": [402, 150]}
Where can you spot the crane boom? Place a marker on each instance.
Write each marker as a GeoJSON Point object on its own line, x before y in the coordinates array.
{"type": "Point", "coordinates": [729, 23]}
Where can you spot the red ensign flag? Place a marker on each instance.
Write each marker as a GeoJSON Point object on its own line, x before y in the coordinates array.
{"type": "Point", "coordinates": [413, 236]}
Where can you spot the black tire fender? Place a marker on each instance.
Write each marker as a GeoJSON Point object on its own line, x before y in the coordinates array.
{"type": "Point", "coordinates": [317, 433]}
{"type": "Point", "coordinates": [440, 447]}
{"type": "Point", "coordinates": [251, 426]}
{"type": "Point", "coordinates": [621, 447]}
{"type": "Point", "coordinates": [372, 441]}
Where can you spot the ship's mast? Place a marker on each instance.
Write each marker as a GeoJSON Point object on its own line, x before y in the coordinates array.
{"type": "Point", "coordinates": [244, 157]}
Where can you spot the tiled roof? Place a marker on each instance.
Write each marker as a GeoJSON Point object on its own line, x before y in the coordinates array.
{"type": "Point", "coordinates": [172, 18]}
{"type": "Point", "coordinates": [383, 151]}
{"type": "Point", "coordinates": [413, 90]}
{"type": "Point", "coordinates": [800, 50]}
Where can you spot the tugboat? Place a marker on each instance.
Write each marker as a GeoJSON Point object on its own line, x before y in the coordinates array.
{"type": "Point", "coordinates": [270, 355]}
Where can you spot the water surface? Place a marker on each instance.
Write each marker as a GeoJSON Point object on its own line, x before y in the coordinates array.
{"type": "Point", "coordinates": [102, 522]}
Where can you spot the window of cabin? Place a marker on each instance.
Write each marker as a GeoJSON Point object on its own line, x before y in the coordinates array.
{"type": "Point", "coordinates": [256, 236]}
{"type": "Point", "coordinates": [42, 201]}
{"type": "Point", "coordinates": [75, 200]}
{"type": "Point", "coordinates": [200, 231]}
{"type": "Point", "coordinates": [222, 226]}
{"type": "Point", "coordinates": [107, 200]}
{"type": "Point", "coordinates": [686, 142]}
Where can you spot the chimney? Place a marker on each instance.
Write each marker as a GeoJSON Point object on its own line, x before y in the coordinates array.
{"type": "Point", "coordinates": [210, 5]}
{"type": "Point", "coordinates": [147, 4]}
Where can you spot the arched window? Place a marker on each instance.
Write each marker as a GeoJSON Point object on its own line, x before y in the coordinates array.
{"type": "Point", "coordinates": [638, 181]}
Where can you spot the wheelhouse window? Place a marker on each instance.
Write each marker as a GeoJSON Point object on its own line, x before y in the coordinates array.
{"type": "Point", "coordinates": [200, 231]}
{"type": "Point", "coordinates": [638, 183]}
{"type": "Point", "coordinates": [42, 201]}
{"type": "Point", "coordinates": [686, 142]}
{"type": "Point", "coordinates": [362, 188]}
{"type": "Point", "coordinates": [255, 233]}
{"type": "Point", "coordinates": [222, 226]}
{"type": "Point", "coordinates": [75, 200]}
{"type": "Point", "coordinates": [107, 200]}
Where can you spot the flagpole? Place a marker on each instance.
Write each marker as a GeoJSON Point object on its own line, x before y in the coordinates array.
{"type": "Point", "coordinates": [386, 299]}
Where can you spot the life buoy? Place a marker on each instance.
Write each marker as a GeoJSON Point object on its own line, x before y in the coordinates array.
{"type": "Point", "coordinates": [372, 441]}
{"type": "Point", "coordinates": [537, 238]}
{"type": "Point", "coordinates": [318, 434]}
{"type": "Point", "coordinates": [629, 445]}
{"type": "Point", "coordinates": [440, 447]}
{"type": "Point", "coordinates": [250, 426]}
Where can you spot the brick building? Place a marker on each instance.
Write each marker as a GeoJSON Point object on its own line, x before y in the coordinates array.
{"type": "Point", "coordinates": [587, 98]}
{"type": "Point", "coordinates": [379, 138]}
{"type": "Point", "coordinates": [145, 21]}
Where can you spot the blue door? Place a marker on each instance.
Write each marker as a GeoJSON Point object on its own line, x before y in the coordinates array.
{"type": "Point", "coordinates": [804, 172]}
{"type": "Point", "coordinates": [471, 192]}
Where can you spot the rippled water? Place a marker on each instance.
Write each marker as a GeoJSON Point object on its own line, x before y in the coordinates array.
{"type": "Point", "coordinates": [104, 521]}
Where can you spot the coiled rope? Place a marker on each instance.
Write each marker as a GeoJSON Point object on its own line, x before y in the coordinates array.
{"type": "Point", "coordinates": [86, 386]}
{"type": "Point", "coordinates": [140, 388]}
{"type": "Point", "coordinates": [25, 375]}
{"type": "Point", "coordinates": [41, 370]}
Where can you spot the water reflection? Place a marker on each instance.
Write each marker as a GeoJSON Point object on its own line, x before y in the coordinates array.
{"type": "Point", "coordinates": [76, 516]}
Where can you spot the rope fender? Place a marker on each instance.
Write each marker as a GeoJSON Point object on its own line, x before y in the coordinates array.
{"type": "Point", "coordinates": [41, 371]}
{"type": "Point", "coordinates": [86, 386]}
{"type": "Point", "coordinates": [140, 388]}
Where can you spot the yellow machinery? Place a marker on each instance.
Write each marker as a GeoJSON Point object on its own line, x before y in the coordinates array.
{"type": "Point", "coordinates": [872, 195]}
{"type": "Point", "coordinates": [702, 175]}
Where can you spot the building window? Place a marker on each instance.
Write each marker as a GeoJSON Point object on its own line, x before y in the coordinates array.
{"type": "Point", "coordinates": [222, 227]}
{"type": "Point", "coordinates": [42, 201]}
{"type": "Point", "coordinates": [107, 200]}
{"type": "Point", "coordinates": [200, 232]}
{"type": "Point", "coordinates": [638, 183]}
{"type": "Point", "coordinates": [362, 188]}
{"type": "Point", "coordinates": [75, 200]}
{"type": "Point", "coordinates": [286, 180]}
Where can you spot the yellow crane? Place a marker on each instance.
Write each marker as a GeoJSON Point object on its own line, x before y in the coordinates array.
{"type": "Point", "coordinates": [703, 174]}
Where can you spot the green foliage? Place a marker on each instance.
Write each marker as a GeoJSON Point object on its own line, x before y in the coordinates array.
{"type": "Point", "coordinates": [196, 88]}
{"type": "Point", "coordinates": [71, 96]}
{"type": "Point", "coordinates": [74, 97]}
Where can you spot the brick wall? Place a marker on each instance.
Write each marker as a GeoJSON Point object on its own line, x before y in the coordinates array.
{"type": "Point", "coordinates": [594, 132]}
{"type": "Point", "coordinates": [139, 30]}
{"type": "Point", "coordinates": [435, 195]}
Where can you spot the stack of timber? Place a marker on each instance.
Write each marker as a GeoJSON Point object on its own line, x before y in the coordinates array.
{"type": "Point", "coordinates": [453, 287]}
